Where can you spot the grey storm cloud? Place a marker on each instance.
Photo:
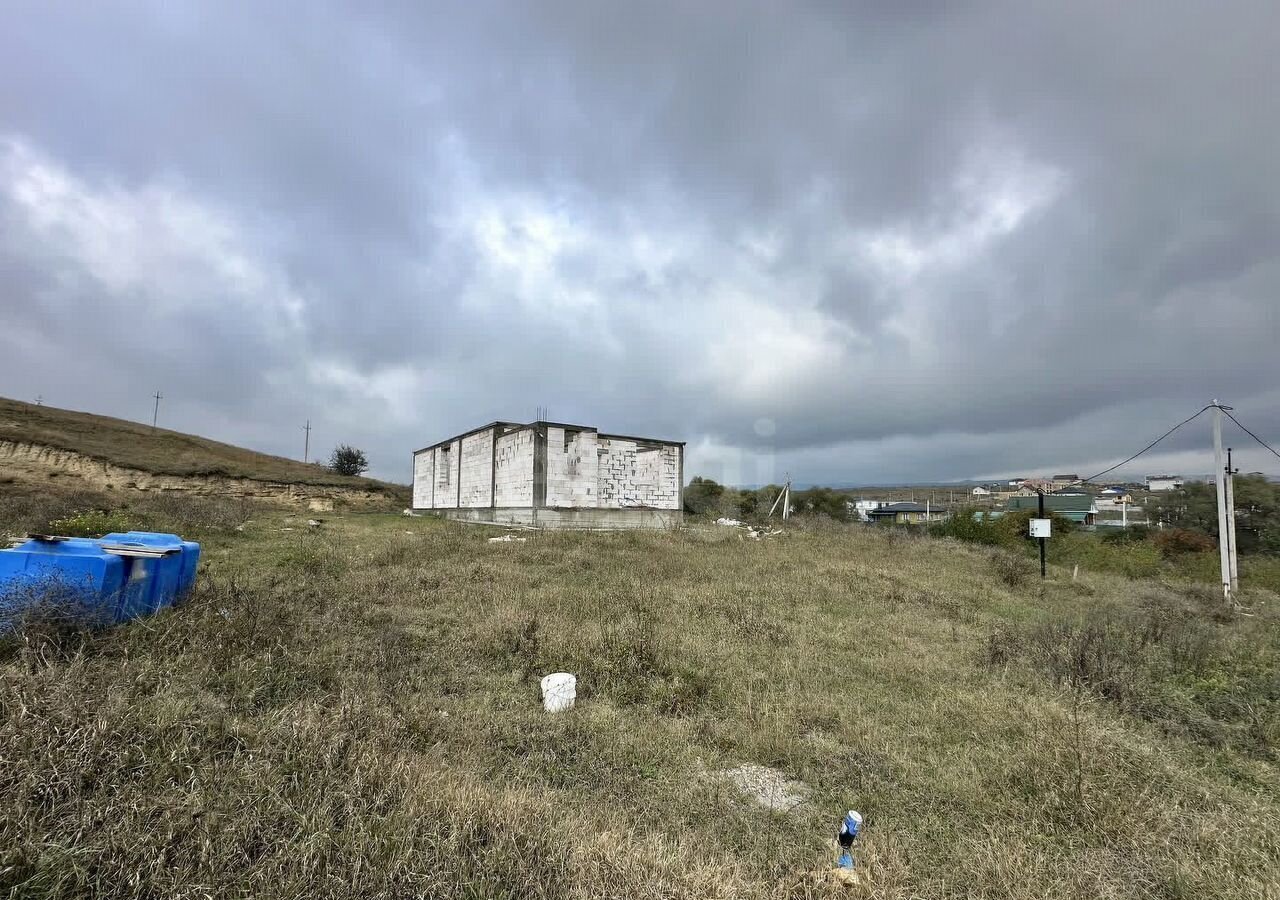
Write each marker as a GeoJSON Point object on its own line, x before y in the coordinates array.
{"type": "Point", "coordinates": [855, 242]}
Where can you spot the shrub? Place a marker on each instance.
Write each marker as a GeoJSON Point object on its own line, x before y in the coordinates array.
{"type": "Point", "coordinates": [702, 496]}
{"type": "Point", "coordinates": [1131, 535]}
{"type": "Point", "coordinates": [347, 460]}
{"type": "Point", "coordinates": [1182, 541]}
{"type": "Point", "coordinates": [92, 523]}
{"type": "Point", "coordinates": [965, 525]}
{"type": "Point", "coordinates": [1012, 569]}
{"type": "Point", "coordinates": [821, 501]}
{"type": "Point", "coordinates": [1168, 660]}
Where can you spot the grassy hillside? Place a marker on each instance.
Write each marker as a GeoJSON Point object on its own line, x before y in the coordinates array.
{"type": "Point", "coordinates": [159, 451]}
{"type": "Point", "coordinates": [353, 711]}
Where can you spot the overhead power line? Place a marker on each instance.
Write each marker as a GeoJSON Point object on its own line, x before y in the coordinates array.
{"type": "Point", "coordinates": [1153, 443]}
{"type": "Point", "coordinates": [1251, 434]}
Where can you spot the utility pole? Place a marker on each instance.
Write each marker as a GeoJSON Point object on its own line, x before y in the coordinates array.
{"type": "Point", "coordinates": [1040, 513]}
{"type": "Point", "coordinates": [1231, 525]}
{"type": "Point", "coordinates": [784, 497]}
{"type": "Point", "coordinates": [306, 444]}
{"type": "Point", "coordinates": [155, 414]}
{"type": "Point", "coordinates": [1219, 466]}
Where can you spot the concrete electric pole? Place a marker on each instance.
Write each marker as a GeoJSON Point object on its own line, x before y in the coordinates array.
{"type": "Point", "coordinates": [1220, 470]}
{"type": "Point", "coordinates": [1231, 525]}
{"type": "Point", "coordinates": [155, 414]}
{"type": "Point", "coordinates": [306, 444]}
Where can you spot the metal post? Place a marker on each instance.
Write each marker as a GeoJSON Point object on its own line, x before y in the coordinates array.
{"type": "Point", "coordinates": [1219, 466]}
{"type": "Point", "coordinates": [1040, 507]}
{"type": "Point", "coordinates": [1233, 564]}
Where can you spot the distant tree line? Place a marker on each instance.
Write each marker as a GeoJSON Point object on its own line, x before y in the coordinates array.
{"type": "Point", "coordinates": [1187, 518]}
{"type": "Point", "coordinates": [1194, 508]}
{"type": "Point", "coordinates": [708, 498]}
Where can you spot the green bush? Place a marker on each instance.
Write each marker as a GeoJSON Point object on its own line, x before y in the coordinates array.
{"type": "Point", "coordinates": [1131, 535]}
{"type": "Point", "coordinates": [92, 523]}
{"type": "Point", "coordinates": [702, 496]}
{"type": "Point", "coordinates": [966, 524]}
{"type": "Point", "coordinates": [1011, 530]}
{"type": "Point", "coordinates": [821, 501]}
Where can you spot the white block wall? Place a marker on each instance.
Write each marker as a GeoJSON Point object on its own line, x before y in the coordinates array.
{"type": "Point", "coordinates": [514, 478]}
{"type": "Point", "coordinates": [631, 476]}
{"type": "Point", "coordinates": [571, 468]}
{"type": "Point", "coordinates": [446, 476]}
{"type": "Point", "coordinates": [477, 469]}
{"type": "Point", "coordinates": [423, 478]}
{"type": "Point", "coordinates": [583, 471]}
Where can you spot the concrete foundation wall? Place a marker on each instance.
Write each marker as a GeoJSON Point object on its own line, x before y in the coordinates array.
{"type": "Point", "coordinates": [513, 480]}
{"type": "Point", "coordinates": [636, 474]}
{"type": "Point", "coordinates": [575, 519]}
{"type": "Point", "coordinates": [477, 469]}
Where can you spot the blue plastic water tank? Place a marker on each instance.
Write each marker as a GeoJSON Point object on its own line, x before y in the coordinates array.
{"type": "Point", "coordinates": [112, 579]}
{"type": "Point", "coordinates": [70, 570]}
{"type": "Point", "coordinates": [155, 582]}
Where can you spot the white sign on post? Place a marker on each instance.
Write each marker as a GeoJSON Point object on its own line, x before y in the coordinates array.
{"type": "Point", "coordinates": [1040, 528]}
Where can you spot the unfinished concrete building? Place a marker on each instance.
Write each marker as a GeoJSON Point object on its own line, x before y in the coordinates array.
{"type": "Point", "coordinates": [551, 475]}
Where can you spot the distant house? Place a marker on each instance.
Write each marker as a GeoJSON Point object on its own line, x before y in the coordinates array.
{"type": "Point", "coordinates": [1079, 508]}
{"type": "Point", "coordinates": [905, 514]}
{"type": "Point", "coordinates": [863, 508]}
{"type": "Point", "coordinates": [1030, 486]}
{"type": "Point", "coordinates": [980, 491]}
{"type": "Point", "coordinates": [1061, 481]}
{"type": "Point", "coordinates": [1117, 493]}
{"type": "Point", "coordinates": [1164, 482]}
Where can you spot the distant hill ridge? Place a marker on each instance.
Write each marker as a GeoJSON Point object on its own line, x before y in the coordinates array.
{"type": "Point", "coordinates": [35, 439]}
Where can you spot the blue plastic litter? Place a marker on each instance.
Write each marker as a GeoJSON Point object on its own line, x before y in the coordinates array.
{"type": "Point", "coordinates": [850, 825]}
{"type": "Point", "coordinates": [111, 579]}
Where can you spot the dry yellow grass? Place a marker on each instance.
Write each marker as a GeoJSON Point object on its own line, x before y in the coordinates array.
{"type": "Point", "coordinates": [353, 711]}
{"type": "Point", "coordinates": [161, 451]}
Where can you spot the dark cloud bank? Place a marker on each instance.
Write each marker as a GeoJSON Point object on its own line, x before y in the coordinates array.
{"type": "Point", "coordinates": [856, 242]}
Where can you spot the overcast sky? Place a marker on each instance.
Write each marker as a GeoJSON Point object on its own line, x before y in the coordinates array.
{"type": "Point", "coordinates": [859, 242]}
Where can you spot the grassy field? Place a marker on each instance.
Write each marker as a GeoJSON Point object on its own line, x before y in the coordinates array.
{"type": "Point", "coordinates": [353, 711]}
{"type": "Point", "coordinates": [160, 451]}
